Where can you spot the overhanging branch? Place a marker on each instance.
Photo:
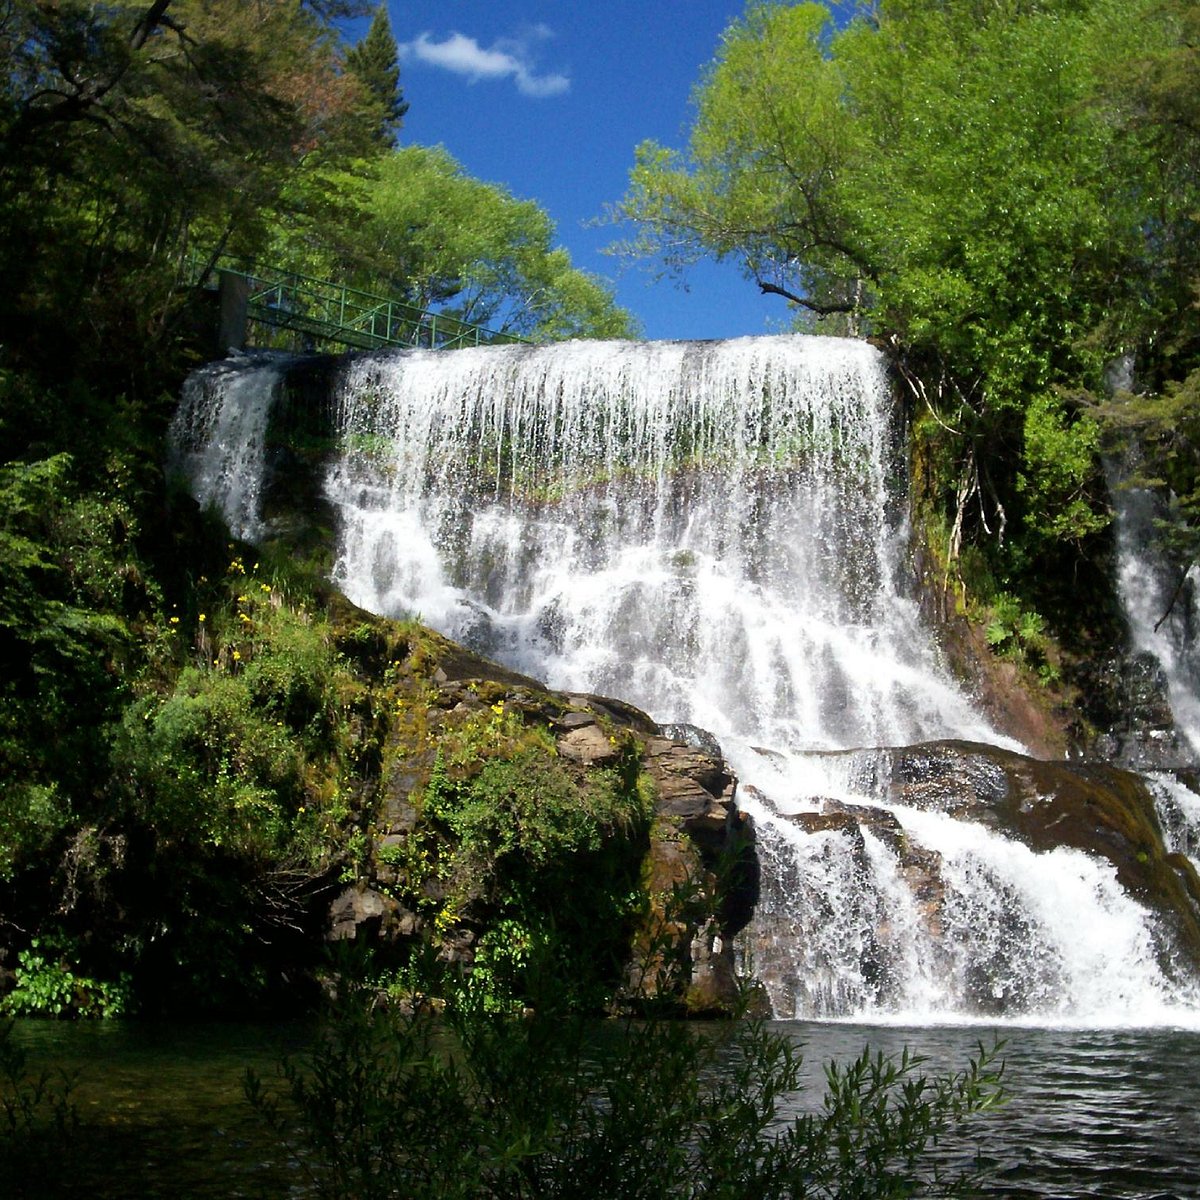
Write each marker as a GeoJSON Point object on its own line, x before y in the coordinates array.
{"type": "Point", "coordinates": [822, 310]}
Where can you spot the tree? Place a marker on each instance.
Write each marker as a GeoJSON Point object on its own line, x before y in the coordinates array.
{"type": "Point", "coordinates": [374, 63]}
{"type": "Point", "coordinates": [421, 228]}
{"type": "Point", "coordinates": [1154, 96]}
{"type": "Point", "coordinates": [133, 134]}
{"type": "Point", "coordinates": [958, 179]}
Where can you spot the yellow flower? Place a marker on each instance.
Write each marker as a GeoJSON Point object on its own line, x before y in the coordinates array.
{"type": "Point", "coordinates": [201, 616]}
{"type": "Point", "coordinates": [237, 655]}
{"type": "Point", "coordinates": [498, 707]}
{"type": "Point", "coordinates": [174, 620]}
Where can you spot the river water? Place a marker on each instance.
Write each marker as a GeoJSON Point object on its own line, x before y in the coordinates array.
{"type": "Point", "coordinates": [1109, 1113]}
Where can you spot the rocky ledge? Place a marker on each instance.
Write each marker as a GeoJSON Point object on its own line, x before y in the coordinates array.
{"type": "Point", "coordinates": [451, 733]}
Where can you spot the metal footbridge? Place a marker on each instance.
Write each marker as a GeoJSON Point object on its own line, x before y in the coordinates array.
{"type": "Point", "coordinates": [259, 302]}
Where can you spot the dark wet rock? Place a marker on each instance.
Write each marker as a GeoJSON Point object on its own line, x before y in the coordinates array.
{"type": "Point", "coordinates": [693, 785]}
{"type": "Point", "coordinates": [626, 715]}
{"type": "Point", "coordinates": [1126, 702]}
{"type": "Point", "coordinates": [692, 735]}
{"type": "Point", "coordinates": [574, 720]}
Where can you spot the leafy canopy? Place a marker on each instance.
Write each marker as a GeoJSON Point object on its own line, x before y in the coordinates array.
{"type": "Point", "coordinates": [423, 229]}
{"type": "Point", "coordinates": [1006, 192]}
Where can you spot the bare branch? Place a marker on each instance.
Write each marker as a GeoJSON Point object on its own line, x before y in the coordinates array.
{"type": "Point", "coordinates": [822, 310]}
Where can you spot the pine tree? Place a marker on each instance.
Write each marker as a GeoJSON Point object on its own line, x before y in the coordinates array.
{"type": "Point", "coordinates": [376, 65]}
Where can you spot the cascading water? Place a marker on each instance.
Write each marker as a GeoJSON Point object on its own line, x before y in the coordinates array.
{"type": "Point", "coordinates": [219, 437]}
{"type": "Point", "coordinates": [1163, 611]}
{"type": "Point", "coordinates": [717, 533]}
{"type": "Point", "coordinates": [623, 518]}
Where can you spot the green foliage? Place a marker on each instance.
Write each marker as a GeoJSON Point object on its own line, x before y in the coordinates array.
{"type": "Point", "coordinates": [1019, 634]}
{"type": "Point", "coordinates": [49, 986]}
{"type": "Point", "coordinates": [374, 63]}
{"type": "Point", "coordinates": [73, 596]}
{"type": "Point", "coordinates": [552, 855]}
{"type": "Point", "coordinates": [529, 808]}
{"type": "Point", "coordinates": [1158, 434]}
{"type": "Point", "coordinates": [240, 757]}
{"type": "Point", "coordinates": [1061, 485]}
{"type": "Point", "coordinates": [1004, 192]}
{"type": "Point", "coordinates": [479, 1103]}
{"type": "Point", "coordinates": [424, 230]}
{"type": "Point", "coordinates": [130, 133]}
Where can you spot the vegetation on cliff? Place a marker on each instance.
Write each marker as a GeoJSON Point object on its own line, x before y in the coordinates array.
{"type": "Point", "coordinates": [181, 735]}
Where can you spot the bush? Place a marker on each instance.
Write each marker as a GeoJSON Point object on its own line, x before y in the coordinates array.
{"type": "Point", "coordinates": [50, 985]}
{"type": "Point", "coordinates": [476, 1103]}
{"type": "Point", "coordinates": [38, 1120]}
{"type": "Point", "coordinates": [546, 858]}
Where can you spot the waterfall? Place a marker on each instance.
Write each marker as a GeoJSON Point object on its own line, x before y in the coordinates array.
{"type": "Point", "coordinates": [1149, 588]}
{"type": "Point", "coordinates": [219, 433]}
{"type": "Point", "coordinates": [717, 532]}
{"type": "Point", "coordinates": [623, 518]}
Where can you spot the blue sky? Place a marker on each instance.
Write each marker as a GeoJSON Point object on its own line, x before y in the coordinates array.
{"type": "Point", "coordinates": [549, 98]}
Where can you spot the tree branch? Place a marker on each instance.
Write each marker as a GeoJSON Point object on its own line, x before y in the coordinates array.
{"type": "Point", "coordinates": [822, 310]}
{"type": "Point", "coordinates": [78, 104]}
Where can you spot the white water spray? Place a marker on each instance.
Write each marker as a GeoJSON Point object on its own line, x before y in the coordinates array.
{"type": "Point", "coordinates": [706, 529]}
{"type": "Point", "coordinates": [1163, 611]}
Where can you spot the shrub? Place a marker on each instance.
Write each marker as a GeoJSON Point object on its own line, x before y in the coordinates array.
{"type": "Point", "coordinates": [478, 1103]}
{"type": "Point", "coordinates": [49, 985]}
{"type": "Point", "coordinates": [38, 1119]}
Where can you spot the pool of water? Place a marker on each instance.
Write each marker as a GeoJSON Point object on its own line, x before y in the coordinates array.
{"type": "Point", "coordinates": [1113, 1113]}
{"type": "Point", "coordinates": [1091, 1113]}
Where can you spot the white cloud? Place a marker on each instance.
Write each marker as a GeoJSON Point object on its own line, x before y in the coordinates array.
{"type": "Point", "coordinates": [506, 58]}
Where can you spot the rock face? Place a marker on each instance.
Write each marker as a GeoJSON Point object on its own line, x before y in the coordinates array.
{"type": "Point", "coordinates": [1099, 809]}
{"type": "Point", "coordinates": [1128, 705]}
{"type": "Point", "coordinates": [702, 851]}
{"type": "Point", "coordinates": [451, 718]}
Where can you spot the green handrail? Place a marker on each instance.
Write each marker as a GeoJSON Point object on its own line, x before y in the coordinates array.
{"type": "Point", "coordinates": [328, 311]}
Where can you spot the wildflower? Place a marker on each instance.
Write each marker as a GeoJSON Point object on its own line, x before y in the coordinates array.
{"type": "Point", "coordinates": [237, 656]}
{"type": "Point", "coordinates": [201, 617]}
{"type": "Point", "coordinates": [174, 620]}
